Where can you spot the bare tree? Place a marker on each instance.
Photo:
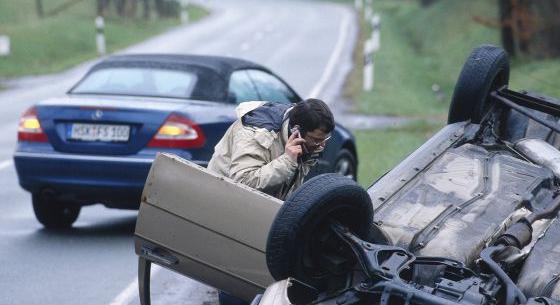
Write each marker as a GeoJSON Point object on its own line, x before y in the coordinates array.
{"type": "Point", "coordinates": [427, 2]}
{"type": "Point", "coordinates": [39, 7]}
{"type": "Point", "coordinates": [531, 27]}
{"type": "Point", "coordinates": [102, 7]}
{"type": "Point", "coordinates": [146, 8]}
{"type": "Point", "coordinates": [120, 6]}
{"type": "Point", "coordinates": [508, 41]}
{"type": "Point", "coordinates": [131, 8]}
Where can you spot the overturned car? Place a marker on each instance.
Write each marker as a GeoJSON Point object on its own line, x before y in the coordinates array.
{"type": "Point", "coordinates": [470, 217]}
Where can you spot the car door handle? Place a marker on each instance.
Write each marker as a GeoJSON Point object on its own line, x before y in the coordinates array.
{"type": "Point", "coordinates": [158, 255]}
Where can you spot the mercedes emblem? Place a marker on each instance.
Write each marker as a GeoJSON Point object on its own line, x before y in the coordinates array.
{"type": "Point", "coordinates": [98, 114]}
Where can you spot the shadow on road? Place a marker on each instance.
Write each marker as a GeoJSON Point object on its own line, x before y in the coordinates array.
{"type": "Point", "coordinates": [115, 227]}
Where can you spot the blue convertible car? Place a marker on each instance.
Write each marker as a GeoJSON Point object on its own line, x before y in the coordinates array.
{"type": "Point", "coordinates": [96, 144]}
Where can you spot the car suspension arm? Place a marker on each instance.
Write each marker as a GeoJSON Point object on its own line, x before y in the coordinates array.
{"type": "Point", "coordinates": [518, 101]}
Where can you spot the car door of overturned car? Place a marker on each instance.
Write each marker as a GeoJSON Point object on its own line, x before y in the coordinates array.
{"type": "Point", "coordinates": [204, 226]}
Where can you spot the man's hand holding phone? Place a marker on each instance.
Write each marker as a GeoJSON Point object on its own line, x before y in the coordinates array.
{"type": "Point", "coordinates": [294, 145]}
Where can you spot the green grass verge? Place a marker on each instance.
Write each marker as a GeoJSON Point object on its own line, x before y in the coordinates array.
{"type": "Point", "coordinates": [426, 46]}
{"type": "Point", "coordinates": [381, 150]}
{"type": "Point", "coordinates": [55, 43]}
{"type": "Point", "coordinates": [422, 47]}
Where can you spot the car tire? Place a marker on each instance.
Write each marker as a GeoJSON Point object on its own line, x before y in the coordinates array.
{"type": "Point", "coordinates": [53, 214]}
{"type": "Point", "coordinates": [302, 219]}
{"type": "Point", "coordinates": [227, 299]}
{"type": "Point", "coordinates": [345, 164]}
{"type": "Point", "coordinates": [486, 69]}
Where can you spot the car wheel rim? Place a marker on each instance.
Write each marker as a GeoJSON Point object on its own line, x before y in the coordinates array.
{"type": "Point", "coordinates": [344, 167]}
{"type": "Point", "coordinates": [321, 240]}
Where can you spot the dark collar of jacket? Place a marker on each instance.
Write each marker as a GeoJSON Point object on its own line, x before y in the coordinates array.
{"type": "Point", "coordinates": [269, 116]}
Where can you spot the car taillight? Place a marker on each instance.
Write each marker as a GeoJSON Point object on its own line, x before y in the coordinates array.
{"type": "Point", "coordinates": [29, 128]}
{"type": "Point", "coordinates": [178, 132]}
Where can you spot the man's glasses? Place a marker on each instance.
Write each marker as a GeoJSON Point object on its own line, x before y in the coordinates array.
{"type": "Point", "coordinates": [316, 142]}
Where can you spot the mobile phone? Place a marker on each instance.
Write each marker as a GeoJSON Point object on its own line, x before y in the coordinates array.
{"type": "Point", "coordinates": [297, 129]}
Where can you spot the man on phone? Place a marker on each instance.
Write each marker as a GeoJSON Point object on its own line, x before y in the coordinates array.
{"type": "Point", "coordinates": [272, 146]}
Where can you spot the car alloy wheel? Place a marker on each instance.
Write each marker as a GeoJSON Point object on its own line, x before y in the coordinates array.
{"type": "Point", "coordinates": [299, 237]}
{"type": "Point", "coordinates": [345, 164]}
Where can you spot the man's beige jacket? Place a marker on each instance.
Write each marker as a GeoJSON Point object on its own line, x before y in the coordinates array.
{"type": "Point", "coordinates": [255, 157]}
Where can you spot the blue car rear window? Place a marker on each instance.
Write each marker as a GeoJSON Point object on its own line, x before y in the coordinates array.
{"type": "Point", "coordinates": [138, 81]}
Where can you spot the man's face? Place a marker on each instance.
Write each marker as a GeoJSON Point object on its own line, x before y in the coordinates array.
{"type": "Point", "coordinates": [316, 140]}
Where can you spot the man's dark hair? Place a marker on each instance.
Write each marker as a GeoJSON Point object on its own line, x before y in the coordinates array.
{"type": "Point", "coordinates": [311, 114]}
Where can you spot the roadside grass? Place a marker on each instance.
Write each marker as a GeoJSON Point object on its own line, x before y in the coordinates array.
{"type": "Point", "coordinates": [58, 42]}
{"type": "Point", "coordinates": [381, 150]}
{"type": "Point", "coordinates": [420, 48]}
{"type": "Point", "coordinates": [423, 47]}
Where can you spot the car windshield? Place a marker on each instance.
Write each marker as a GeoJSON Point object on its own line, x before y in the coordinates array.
{"type": "Point", "coordinates": [139, 82]}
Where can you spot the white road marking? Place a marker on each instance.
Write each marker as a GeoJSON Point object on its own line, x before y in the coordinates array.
{"type": "Point", "coordinates": [335, 56]}
{"type": "Point", "coordinates": [5, 164]}
{"type": "Point", "coordinates": [131, 291]}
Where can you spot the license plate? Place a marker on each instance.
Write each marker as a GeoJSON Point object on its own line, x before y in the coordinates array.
{"type": "Point", "coordinates": [100, 132]}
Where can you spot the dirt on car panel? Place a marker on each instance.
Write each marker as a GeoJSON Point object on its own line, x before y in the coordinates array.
{"type": "Point", "coordinates": [540, 274]}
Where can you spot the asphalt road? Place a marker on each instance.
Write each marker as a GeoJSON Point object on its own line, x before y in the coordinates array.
{"type": "Point", "coordinates": [309, 43]}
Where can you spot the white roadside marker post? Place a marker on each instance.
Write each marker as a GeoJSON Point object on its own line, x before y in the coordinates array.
{"type": "Point", "coordinates": [184, 11]}
{"type": "Point", "coordinates": [368, 10]}
{"type": "Point", "coordinates": [375, 32]}
{"type": "Point", "coordinates": [371, 46]}
{"type": "Point", "coordinates": [4, 45]}
{"type": "Point", "coordinates": [368, 66]}
{"type": "Point", "coordinates": [100, 36]}
{"type": "Point", "coordinates": [358, 4]}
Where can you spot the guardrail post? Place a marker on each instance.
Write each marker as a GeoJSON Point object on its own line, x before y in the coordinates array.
{"type": "Point", "coordinates": [376, 32]}
{"type": "Point", "coordinates": [184, 11]}
{"type": "Point", "coordinates": [100, 36]}
{"type": "Point", "coordinates": [371, 46]}
{"type": "Point", "coordinates": [4, 45]}
{"type": "Point", "coordinates": [368, 66]}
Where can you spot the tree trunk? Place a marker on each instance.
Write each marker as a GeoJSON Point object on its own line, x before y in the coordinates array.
{"type": "Point", "coordinates": [101, 7]}
{"type": "Point", "coordinates": [160, 9]}
{"type": "Point", "coordinates": [545, 41]}
{"type": "Point", "coordinates": [131, 8]}
{"type": "Point", "coordinates": [120, 5]}
{"type": "Point", "coordinates": [146, 5]}
{"type": "Point", "coordinates": [427, 2]}
{"type": "Point", "coordinates": [39, 6]}
{"type": "Point", "coordinates": [508, 41]}
{"type": "Point", "coordinates": [531, 27]}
